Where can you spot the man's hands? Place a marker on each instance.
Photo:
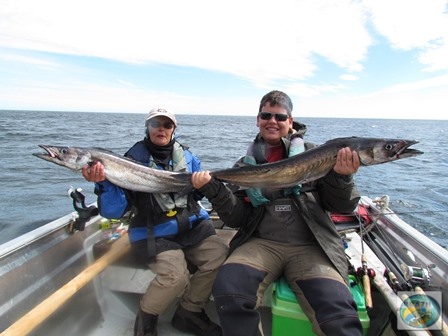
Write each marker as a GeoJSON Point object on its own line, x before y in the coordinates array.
{"type": "Point", "coordinates": [199, 179]}
{"type": "Point", "coordinates": [347, 162]}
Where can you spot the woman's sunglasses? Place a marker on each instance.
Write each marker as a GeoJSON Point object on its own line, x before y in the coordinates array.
{"type": "Point", "coordinates": [277, 116]}
{"type": "Point", "coordinates": [157, 124]}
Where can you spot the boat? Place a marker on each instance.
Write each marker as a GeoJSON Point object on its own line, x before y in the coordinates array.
{"type": "Point", "coordinates": [75, 276]}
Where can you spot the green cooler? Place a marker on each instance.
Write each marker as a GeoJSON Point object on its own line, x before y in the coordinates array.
{"type": "Point", "coordinates": [288, 318]}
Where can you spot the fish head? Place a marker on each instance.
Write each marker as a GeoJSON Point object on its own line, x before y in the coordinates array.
{"type": "Point", "coordinates": [71, 157]}
{"type": "Point", "coordinates": [377, 151]}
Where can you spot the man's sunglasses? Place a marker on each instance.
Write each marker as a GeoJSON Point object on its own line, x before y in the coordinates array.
{"type": "Point", "coordinates": [277, 116]}
{"type": "Point", "coordinates": [157, 124]}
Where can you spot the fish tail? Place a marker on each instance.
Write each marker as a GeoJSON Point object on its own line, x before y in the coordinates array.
{"type": "Point", "coordinates": [183, 179]}
{"type": "Point", "coordinates": [186, 190]}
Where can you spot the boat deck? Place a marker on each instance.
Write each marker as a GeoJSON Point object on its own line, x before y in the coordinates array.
{"type": "Point", "coordinates": [121, 323]}
{"type": "Point", "coordinates": [122, 285]}
{"type": "Point", "coordinates": [41, 263]}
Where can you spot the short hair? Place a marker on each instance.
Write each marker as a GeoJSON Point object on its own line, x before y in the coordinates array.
{"type": "Point", "coordinates": [279, 98]}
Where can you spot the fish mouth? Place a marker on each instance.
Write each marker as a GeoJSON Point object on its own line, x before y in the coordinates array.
{"type": "Point", "coordinates": [404, 150]}
{"type": "Point", "coordinates": [49, 155]}
{"type": "Point", "coordinates": [49, 151]}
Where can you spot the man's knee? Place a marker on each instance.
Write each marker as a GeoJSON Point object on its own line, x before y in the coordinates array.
{"type": "Point", "coordinates": [217, 252]}
{"type": "Point", "coordinates": [333, 305]}
{"type": "Point", "coordinates": [237, 279]}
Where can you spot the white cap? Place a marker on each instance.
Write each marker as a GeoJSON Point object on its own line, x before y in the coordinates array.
{"type": "Point", "coordinates": [160, 112]}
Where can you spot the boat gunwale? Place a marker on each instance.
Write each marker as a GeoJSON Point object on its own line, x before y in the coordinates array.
{"type": "Point", "coordinates": [389, 217]}
{"type": "Point", "coordinates": [31, 237]}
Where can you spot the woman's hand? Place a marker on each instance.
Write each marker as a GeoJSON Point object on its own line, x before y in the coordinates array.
{"type": "Point", "coordinates": [94, 172]}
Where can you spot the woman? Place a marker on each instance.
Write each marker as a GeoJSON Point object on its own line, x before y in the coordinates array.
{"type": "Point", "coordinates": [166, 232]}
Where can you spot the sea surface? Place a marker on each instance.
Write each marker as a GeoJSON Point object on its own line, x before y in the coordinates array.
{"type": "Point", "coordinates": [34, 192]}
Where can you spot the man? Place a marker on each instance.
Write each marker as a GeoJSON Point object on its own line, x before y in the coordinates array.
{"type": "Point", "coordinates": [166, 232]}
{"type": "Point", "coordinates": [285, 232]}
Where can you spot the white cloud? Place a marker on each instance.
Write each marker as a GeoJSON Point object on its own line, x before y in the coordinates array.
{"type": "Point", "coordinates": [435, 57]}
{"type": "Point", "coordinates": [267, 43]}
{"type": "Point", "coordinates": [126, 83]}
{"type": "Point", "coordinates": [243, 38]}
{"type": "Point", "coordinates": [348, 77]}
{"type": "Point", "coordinates": [260, 41]}
{"type": "Point", "coordinates": [439, 82]}
{"type": "Point", "coordinates": [17, 58]}
{"type": "Point", "coordinates": [414, 24]}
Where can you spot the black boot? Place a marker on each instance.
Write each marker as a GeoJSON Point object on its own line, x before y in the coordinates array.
{"type": "Point", "coordinates": [196, 323]}
{"type": "Point", "coordinates": [145, 324]}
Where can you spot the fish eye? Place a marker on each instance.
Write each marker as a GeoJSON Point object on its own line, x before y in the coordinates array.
{"type": "Point", "coordinates": [64, 151]}
{"type": "Point", "coordinates": [389, 147]}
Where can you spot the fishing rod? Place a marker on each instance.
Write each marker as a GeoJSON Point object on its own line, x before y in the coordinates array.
{"type": "Point", "coordinates": [413, 212]}
{"type": "Point", "coordinates": [400, 275]}
{"type": "Point", "coordinates": [367, 273]}
{"type": "Point", "coordinates": [397, 270]}
{"type": "Point", "coordinates": [441, 326]}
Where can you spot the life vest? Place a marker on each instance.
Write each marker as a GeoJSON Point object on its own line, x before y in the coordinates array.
{"type": "Point", "coordinates": [170, 228]}
{"type": "Point", "coordinates": [257, 154]}
{"type": "Point", "coordinates": [177, 163]}
{"type": "Point", "coordinates": [173, 213]}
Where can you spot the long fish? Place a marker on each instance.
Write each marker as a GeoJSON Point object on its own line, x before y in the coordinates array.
{"type": "Point", "coordinates": [316, 162]}
{"type": "Point", "coordinates": [305, 167]}
{"type": "Point", "coordinates": [118, 169]}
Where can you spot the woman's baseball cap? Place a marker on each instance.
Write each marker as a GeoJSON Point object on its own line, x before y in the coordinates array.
{"type": "Point", "coordinates": [160, 112]}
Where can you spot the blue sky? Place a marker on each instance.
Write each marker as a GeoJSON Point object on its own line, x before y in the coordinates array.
{"type": "Point", "coordinates": [364, 58]}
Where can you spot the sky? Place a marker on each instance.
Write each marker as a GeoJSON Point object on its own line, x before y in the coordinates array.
{"type": "Point", "coordinates": [334, 58]}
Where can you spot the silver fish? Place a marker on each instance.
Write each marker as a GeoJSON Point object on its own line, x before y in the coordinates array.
{"type": "Point", "coordinates": [316, 162]}
{"type": "Point", "coordinates": [119, 170]}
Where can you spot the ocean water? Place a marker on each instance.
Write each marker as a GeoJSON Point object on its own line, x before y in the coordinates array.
{"type": "Point", "coordinates": [34, 192]}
